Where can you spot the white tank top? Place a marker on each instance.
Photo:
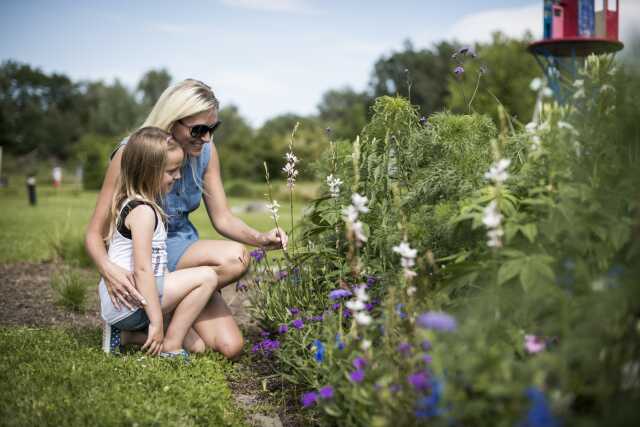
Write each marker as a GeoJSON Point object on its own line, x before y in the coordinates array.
{"type": "Point", "coordinates": [121, 253]}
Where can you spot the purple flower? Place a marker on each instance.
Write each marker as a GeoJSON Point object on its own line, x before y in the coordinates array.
{"type": "Point", "coordinates": [326, 392]}
{"type": "Point", "coordinates": [318, 318]}
{"type": "Point", "coordinates": [394, 388]}
{"type": "Point", "coordinates": [426, 345]}
{"type": "Point", "coordinates": [401, 314]}
{"type": "Point", "coordinates": [241, 286]}
{"type": "Point", "coordinates": [426, 358]}
{"type": "Point", "coordinates": [264, 334]}
{"type": "Point", "coordinates": [419, 380]}
{"type": "Point", "coordinates": [266, 346]}
{"type": "Point", "coordinates": [357, 376]}
{"type": "Point", "coordinates": [534, 344]}
{"type": "Point", "coordinates": [281, 274]}
{"type": "Point", "coordinates": [309, 399]}
{"type": "Point", "coordinates": [369, 306]}
{"type": "Point", "coordinates": [404, 348]}
{"type": "Point", "coordinates": [298, 324]}
{"type": "Point", "coordinates": [339, 293]}
{"type": "Point", "coordinates": [438, 321]}
{"type": "Point", "coordinates": [459, 70]}
{"type": "Point", "coordinates": [371, 280]}
{"type": "Point", "coordinates": [257, 255]}
{"type": "Point", "coordinates": [346, 313]}
{"type": "Point", "coordinates": [359, 363]}
{"type": "Point", "coordinates": [283, 329]}
{"type": "Point", "coordinates": [294, 310]}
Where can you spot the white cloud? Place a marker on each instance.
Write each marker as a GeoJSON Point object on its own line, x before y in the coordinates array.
{"type": "Point", "coordinates": [292, 6]}
{"type": "Point", "coordinates": [513, 22]}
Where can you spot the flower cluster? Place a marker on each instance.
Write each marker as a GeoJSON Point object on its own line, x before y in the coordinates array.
{"type": "Point", "coordinates": [311, 398]}
{"type": "Point", "coordinates": [437, 321]}
{"type": "Point", "coordinates": [408, 260]}
{"type": "Point", "coordinates": [492, 218]}
{"type": "Point", "coordinates": [290, 168]}
{"type": "Point", "coordinates": [359, 307]}
{"type": "Point", "coordinates": [334, 184]}
{"type": "Point", "coordinates": [351, 213]}
{"type": "Point", "coordinates": [274, 207]}
{"type": "Point", "coordinates": [266, 346]}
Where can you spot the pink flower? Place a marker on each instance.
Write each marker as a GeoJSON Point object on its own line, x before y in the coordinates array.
{"type": "Point", "coordinates": [534, 344]}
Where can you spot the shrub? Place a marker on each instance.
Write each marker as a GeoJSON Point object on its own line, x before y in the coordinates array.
{"type": "Point", "coordinates": [71, 288]}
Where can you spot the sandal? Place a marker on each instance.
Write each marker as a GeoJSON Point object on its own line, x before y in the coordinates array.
{"type": "Point", "coordinates": [184, 354]}
{"type": "Point", "coordinates": [111, 339]}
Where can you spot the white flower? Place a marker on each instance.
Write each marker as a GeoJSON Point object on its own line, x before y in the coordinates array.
{"type": "Point", "coordinates": [578, 83]}
{"type": "Point", "coordinates": [363, 318]}
{"type": "Point", "coordinates": [568, 126]}
{"type": "Point", "coordinates": [291, 158]}
{"type": "Point", "coordinates": [579, 94]}
{"type": "Point", "coordinates": [498, 171]}
{"type": "Point", "coordinates": [405, 251]}
{"type": "Point", "coordinates": [535, 84]}
{"type": "Point", "coordinates": [492, 217]}
{"type": "Point", "coordinates": [350, 214]}
{"type": "Point", "coordinates": [355, 305]}
{"type": "Point", "coordinates": [536, 142]}
{"type": "Point", "coordinates": [290, 169]}
{"type": "Point", "coordinates": [358, 229]}
{"type": "Point", "coordinates": [365, 345]}
{"type": "Point", "coordinates": [273, 207]}
{"type": "Point", "coordinates": [531, 127]}
{"type": "Point", "coordinates": [494, 237]}
{"type": "Point", "coordinates": [407, 262]}
{"type": "Point", "coordinates": [547, 92]}
{"type": "Point", "coordinates": [361, 293]}
{"type": "Point", "coordinates": [334, 184]}
{"type": "Point", "coordinates": [411, 290]}
{"type": "Point", "coordinates": [360, 202]}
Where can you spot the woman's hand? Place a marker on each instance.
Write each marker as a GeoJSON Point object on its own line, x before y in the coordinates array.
{"type": "Point", "coordinates": [155, 336]}
{"type": "Point", "coordinates": [121, 287]}
{"type": "Point", "coordinates": [274, 239]}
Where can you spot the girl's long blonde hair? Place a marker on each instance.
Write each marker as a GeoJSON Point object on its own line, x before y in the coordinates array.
{"type": "Point", "coordinates": [144, 159]}
{"type": "Point", "coordinates": [181, 100]}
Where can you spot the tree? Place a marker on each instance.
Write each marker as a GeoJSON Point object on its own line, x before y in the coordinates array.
{"type": "Point", "coordinates": [236, 147]}
{"type": "Point", "coordinates": [151, 86]}
{"type": "Point", "coordinates": [509, 71]}
{"type": "Point", "coordinates": [426, 71]}
{"type": "Point", "coordinates": [112, 110]}
{"type": "Point", "coordinates": [344, 111]}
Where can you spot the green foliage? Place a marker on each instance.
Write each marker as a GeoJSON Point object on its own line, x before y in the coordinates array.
{"type": "Point", "coordinates": [509, 71]}
{"type": "Point", "coordinates": [55, 377]}
{"type": "Point", "coordinates": [236, 148]}
{"type": "Point", "coordinates": [152, 84]}
{"type": "Point", "coordinates": [71, 288]}
{"type": "Point", "coordinates": [562, 274]}
{"type": "Point", "coordinates": [93, 153]}
{"type": "Point", "coordinates": [344, 111]}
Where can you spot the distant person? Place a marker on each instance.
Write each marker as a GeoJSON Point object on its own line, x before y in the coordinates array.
{"type": "Point", "coordinates": [189, 111]}
{"type": "Point", "coordinates": [31, 189]}
{"type": "Point", "coordinates": [150, 164]}
{"type": "Point", "coordinates": [56, 173]}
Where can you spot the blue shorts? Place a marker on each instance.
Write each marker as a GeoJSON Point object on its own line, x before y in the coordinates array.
{"type": "Point", "coordinates": [178, 241]}
{"type": "Point", "coordinates": [138, 319]}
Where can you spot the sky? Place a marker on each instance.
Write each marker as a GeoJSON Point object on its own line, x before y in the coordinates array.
{"type": "Point", "coordinates": [267, 57]}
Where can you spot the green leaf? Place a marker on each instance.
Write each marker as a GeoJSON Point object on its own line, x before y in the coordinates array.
{"type": "Point", "coordinates": [530, 231]}
{"type": "Point", "coordinates": [509, 270]}
{"type": "Point", "coordinates": [536, 272]}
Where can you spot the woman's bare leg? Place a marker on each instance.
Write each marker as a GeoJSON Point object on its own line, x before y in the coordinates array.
{"type": "Point", "coordinates": [230, 260]}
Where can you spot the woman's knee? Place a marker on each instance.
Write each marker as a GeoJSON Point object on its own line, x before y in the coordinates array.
{"type": "Point", "coordinates": [209, 278]}
{"type": "Point", "coordinates": [238, 258]}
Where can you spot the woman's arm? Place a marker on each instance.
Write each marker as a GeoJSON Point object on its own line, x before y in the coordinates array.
{"type": "Point", "coordinates": [141, 221]}
{"type": "Point", "coordinates": [223, 220]}
{"type": "Point", "coordinates": [119, 282]}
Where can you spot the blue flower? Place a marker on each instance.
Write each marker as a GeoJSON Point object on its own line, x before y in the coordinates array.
{"type": "Point", "coordinates": [419, 380]}
{"type": "Point", "coordinates": [339, 293]}
{"type": "Point", "coordinates": [427, 406]}
{"type": "Point", "coordinates": [339, 342]}
{"type": "Point", "coordinates": [319, 350]}
{"type": "Point", "coordinates": [401, 314]}
{"type": "Point", "coordinates": [283, 329]}
{"type": "Point", "coordinates": [539, 414]}
{"type": "Point", "coordinates": [437, 321]}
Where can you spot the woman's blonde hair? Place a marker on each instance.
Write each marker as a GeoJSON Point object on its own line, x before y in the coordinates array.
{"type": "Point", "coordinates": [181, 100]}
{"type": "Point", "coordinates": [144, 159]}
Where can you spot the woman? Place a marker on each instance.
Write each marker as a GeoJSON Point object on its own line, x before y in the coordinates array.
{"type": "Point", "coordinates": [189, 111]}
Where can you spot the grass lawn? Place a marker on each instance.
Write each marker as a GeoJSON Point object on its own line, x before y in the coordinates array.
{"type": "Point", "coordinates": [58, 377]}
{"type": "Point", "coordinates": [26, 231]}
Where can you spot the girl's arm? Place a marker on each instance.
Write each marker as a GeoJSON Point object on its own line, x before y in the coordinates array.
{"type": "Point", "coordinates": [120, 283]}
{"type": "Point", "coordinates": [141, 221]}
{"type": "Point", "coordinates": [223, 220]}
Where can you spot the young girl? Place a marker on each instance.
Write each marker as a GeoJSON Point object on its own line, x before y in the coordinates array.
{"type": "Point", "coordinates": [151, 162]}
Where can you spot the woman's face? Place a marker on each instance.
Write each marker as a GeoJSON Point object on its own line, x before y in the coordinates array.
{"type": "Point", "coordinates": [182, 130]}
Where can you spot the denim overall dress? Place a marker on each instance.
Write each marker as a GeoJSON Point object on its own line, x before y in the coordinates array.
{"type": "Point", "coordinates": [183, 199]}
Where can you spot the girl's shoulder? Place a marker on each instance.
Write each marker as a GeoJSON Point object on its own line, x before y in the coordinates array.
{"type": "Point", "coordinates": [127, 207]}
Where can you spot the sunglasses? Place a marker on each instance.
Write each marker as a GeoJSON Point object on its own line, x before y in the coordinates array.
{"type": "Point", "coordinates": [198, 131]}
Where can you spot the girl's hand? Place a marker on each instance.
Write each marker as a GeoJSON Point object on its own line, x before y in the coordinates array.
{"type": "Point", "coordinates": [274, 239]}
{"type": "Point", "coordinates": [155, 336]}
{"type": "Point", "coordinates": [121, 287]}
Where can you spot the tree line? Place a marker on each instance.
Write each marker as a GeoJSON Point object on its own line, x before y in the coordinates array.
{"type": "Point", "coordinates": [51, 116]}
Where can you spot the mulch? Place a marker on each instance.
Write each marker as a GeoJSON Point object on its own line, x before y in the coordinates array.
{"type": "Point", "coordinates": [28, 299]}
